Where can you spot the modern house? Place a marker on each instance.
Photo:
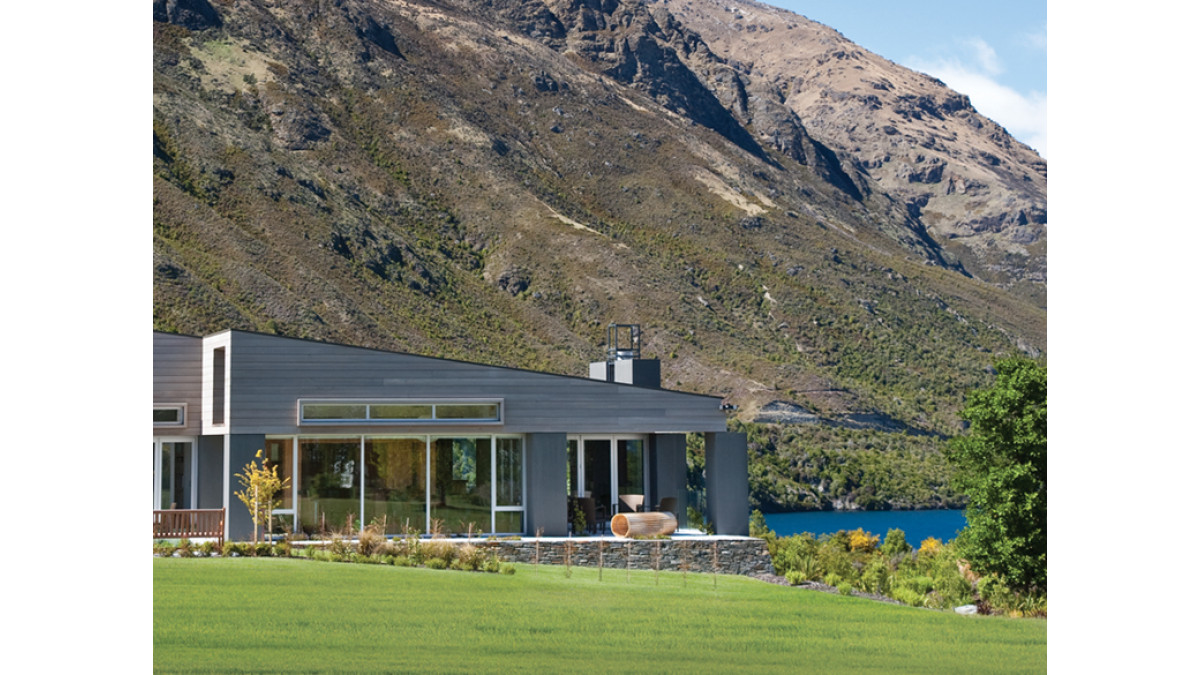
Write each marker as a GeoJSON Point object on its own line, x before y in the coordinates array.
{"type": "Point", "coordinates": [365, 434]}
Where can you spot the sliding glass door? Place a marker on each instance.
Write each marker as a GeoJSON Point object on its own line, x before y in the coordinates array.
{"type": "Point", "coordinates": [609, 469]}
{"type": "Point", "coordinates": [395, 484]}
{"type": "Point", "coordinates": [462, 484]}
{"type": "Point", "coordinates": [329, 483]}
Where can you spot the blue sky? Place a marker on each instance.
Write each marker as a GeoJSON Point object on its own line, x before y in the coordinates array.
{"type": "Point", "coordinates": [994, 52]}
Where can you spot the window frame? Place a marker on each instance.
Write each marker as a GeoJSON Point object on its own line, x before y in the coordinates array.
{"type": "Point", "coordinates": [428, 439]}
{"type": "Point", "coordinates": [433, 420]}
{"type": "Point", "coordinates": [181, 407]}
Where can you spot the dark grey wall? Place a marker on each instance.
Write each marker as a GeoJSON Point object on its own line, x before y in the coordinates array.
{"type": "Point", "coordinates": [668, 471]}
{"type": "Point", "coordinates": [640, 372]}
{"type": "Point", "coordinates": [726, 474]}
{"type": "Point", "coordinates": [269, 373]}
{"type": "Point", "coordinates": [177, 379]}
{"type": "Point", "coordinates": [546, 484]}
{"type": "Point", "coordinates": [210, 484]}
{"type": "Point", "coordinates": [242, 448]}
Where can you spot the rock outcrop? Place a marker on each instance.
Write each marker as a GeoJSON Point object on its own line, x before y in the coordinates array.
{"type": "Point", "coordinates": [977, 191]}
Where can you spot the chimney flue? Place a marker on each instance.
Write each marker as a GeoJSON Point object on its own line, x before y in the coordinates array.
{"type": "Point", "coordinates": [624, 362]}
{"type": "Point", "coordinates": [624, 341]}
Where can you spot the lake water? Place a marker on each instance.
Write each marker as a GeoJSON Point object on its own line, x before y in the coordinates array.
{"type": "Point", "coordinates": [917, 525]}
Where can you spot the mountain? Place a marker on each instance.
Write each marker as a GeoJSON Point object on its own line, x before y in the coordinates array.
{"type": "Point", "coordinates": [497, 180]}
{"type": "Point", "coordinates": [980, 193]}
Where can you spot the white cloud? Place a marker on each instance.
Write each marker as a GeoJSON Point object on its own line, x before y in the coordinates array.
{"type": "Point", "coordinates": [986, 56]}
{"type": "Point", "coordinates": [1023, 115]}
{"type": "Point", "coordinates": [1036, 39]}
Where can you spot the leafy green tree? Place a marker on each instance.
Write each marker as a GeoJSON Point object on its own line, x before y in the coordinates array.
{"type": "Point", "coordinates": [1001, 467]}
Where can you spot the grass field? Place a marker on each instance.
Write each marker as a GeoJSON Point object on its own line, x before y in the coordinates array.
{"type": "Point", "coordinates": [287, 615]}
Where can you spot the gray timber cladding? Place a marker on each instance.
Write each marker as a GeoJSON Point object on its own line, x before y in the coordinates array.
{"type": "Point", "coordinates": [270, 373]}
{"type": "Point", "coordinates": [177, 379]}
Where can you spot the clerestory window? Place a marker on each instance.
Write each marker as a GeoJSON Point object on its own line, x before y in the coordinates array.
{"type": "Point", "coordinates": [401, 412]}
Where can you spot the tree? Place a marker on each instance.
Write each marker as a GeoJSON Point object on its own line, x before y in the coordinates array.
{"type": "Point", "coordinates": [260, 486]}
{"type": "Point", "coordinates": [1001, 467]}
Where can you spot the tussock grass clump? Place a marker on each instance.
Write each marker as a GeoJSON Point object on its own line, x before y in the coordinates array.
{"type": "Point", "coordinates": [371, 539]}
{"type": "Point", "coordinates": [438, 549]}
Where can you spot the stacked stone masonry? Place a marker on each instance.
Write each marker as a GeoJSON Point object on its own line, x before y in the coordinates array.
{"type": "Point", "coordinates": [745, 556]}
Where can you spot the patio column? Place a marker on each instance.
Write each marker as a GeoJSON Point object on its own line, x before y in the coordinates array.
{"type": "Point", "coordinates": [546, 484]}
{"type": "Point", "coordinates": [726, 472]}
{"type": "Point", "coordinates": [668, 472]}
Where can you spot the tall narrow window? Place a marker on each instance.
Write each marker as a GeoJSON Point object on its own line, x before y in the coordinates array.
{"type": "Point", "coordinates": [330, 478]}
{"type": "Point", "coordinates": [395, 483]}
{"type": "Point", "coordinates": [279, 454]}
{"type": "Point", "coordinates": [461, 469]}
{"type": "Point", "coordinates": [630, 468]}
{"type": "Point", "coordinates": [218, 386]}
{"type": "Point", "coordinates": [510, 485]}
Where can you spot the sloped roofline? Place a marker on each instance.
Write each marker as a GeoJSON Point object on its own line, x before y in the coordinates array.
{"type": "Point", "coordinates": [439, 358]}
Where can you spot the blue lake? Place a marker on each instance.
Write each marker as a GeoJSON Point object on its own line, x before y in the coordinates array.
{"type": "Point", "coordinates": [917, 525]}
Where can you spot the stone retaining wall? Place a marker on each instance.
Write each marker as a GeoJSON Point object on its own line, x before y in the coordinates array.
{"type": "Point", "coordinates": [740, 555]}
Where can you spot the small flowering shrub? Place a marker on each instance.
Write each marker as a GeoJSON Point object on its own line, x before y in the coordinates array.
{"type": "Point", "coordinates": [930, 547]}
{"type": "Point", "coordinates": [863, 541]}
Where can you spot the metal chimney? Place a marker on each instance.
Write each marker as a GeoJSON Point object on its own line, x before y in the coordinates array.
{"type": "Point", "coordinates": [624, 362]}
{"type": "Point", "coordinates": [624, 341]}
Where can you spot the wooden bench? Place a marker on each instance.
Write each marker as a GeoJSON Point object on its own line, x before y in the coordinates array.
{"type": "Point", "coordinates": [190, 523]}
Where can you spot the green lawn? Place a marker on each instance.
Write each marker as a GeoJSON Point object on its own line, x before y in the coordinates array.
{"type": "Point", "coordinates": [289, 615]}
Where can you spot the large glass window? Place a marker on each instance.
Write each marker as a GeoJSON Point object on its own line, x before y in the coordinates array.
{"type": "Point", "coordinates": [404, 482]}
{"type": "Point", "coordinates": [395, 483]}
{"type": "Point", "coordinates": [462, 484]}
{"type": "Point", "coordinates": [329, 483]}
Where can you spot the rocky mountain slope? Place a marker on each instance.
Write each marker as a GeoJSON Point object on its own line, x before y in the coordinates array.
{"type": "Point", "coordinates": [980, 193]}
{"type": "Point", "coordinates": [497, 180]}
